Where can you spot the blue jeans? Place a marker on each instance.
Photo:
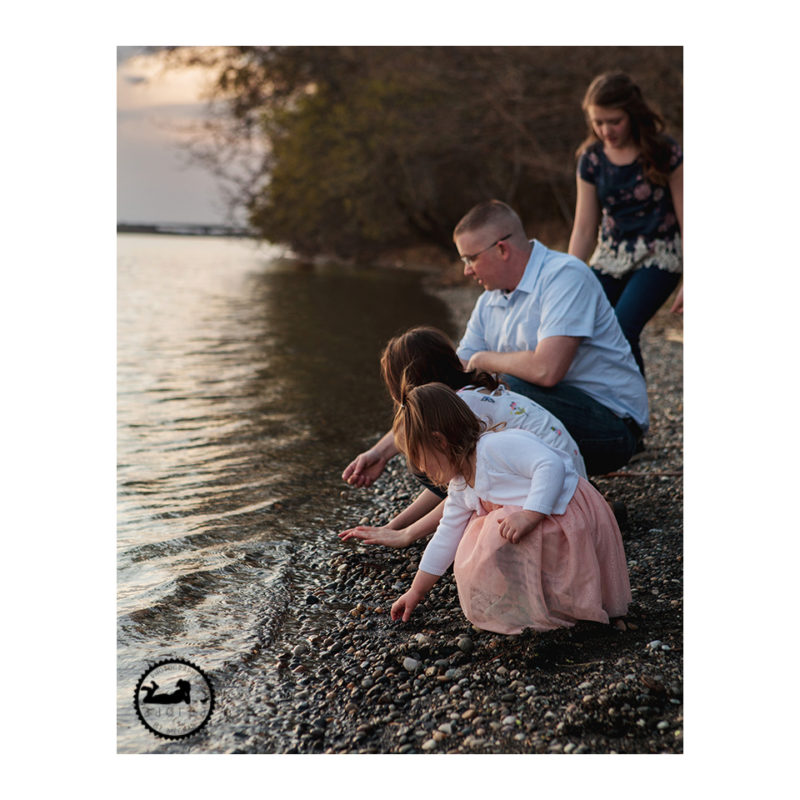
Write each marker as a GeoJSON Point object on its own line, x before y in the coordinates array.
{"type": "Point", "coordinates": [606, 441]}
{"type": "Point", "coordinates": [635, 298]}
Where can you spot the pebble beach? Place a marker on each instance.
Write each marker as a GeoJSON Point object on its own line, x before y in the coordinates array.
{"type": "Point", "coordinates": [345, 678]}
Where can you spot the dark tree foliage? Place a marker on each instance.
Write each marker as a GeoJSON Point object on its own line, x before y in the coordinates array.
{"type": "Point", "coordinates": [371, 148]}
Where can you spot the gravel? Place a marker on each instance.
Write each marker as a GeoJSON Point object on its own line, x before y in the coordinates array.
{"type": "Point", "coordinates": [346, 679]}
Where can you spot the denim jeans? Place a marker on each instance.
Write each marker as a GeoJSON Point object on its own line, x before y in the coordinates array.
{"type": "Point", "coordinates": [635, 298]}
{"type": "Point", "coordinates": [606, 441]}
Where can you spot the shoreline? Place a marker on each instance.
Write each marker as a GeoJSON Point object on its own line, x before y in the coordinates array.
{"type": "Point", "coordinates": [341, 677]}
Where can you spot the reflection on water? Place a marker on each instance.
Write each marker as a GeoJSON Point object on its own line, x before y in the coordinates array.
{"type": "Point", "coordinates": [246, 382]}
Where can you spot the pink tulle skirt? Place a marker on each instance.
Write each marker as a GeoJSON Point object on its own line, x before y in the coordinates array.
{"type": "Point", "coordinates": [571, 566]}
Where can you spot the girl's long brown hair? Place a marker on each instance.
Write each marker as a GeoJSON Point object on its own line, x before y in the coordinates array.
{"type": "Point", "coordinates": [617, 90]}
{"type": "Point", "coordinates": [436, 408]}
{"type": "Point", "coordinates": [424, 355]}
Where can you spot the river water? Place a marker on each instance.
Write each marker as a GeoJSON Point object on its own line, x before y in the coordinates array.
{"type": "Point", "coordinates": [246, 382]}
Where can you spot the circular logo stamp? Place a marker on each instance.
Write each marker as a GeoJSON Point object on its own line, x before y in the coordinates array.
{"type": "Point", "coordinates": [174, 698]}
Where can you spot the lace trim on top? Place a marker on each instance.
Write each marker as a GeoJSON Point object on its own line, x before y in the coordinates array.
{"type": "Point", "coordinates": [666, 254]}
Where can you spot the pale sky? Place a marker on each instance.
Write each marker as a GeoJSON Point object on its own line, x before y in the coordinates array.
{"type": "Point", "coordinates": [155, 180]}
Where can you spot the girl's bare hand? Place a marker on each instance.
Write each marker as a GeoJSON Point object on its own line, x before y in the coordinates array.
{"type": "Point", "coordinates": [519, 524]}
{"type": "Point", "coordinates": [364, 469]}
{"type": "Point", "coordinates": [384, 535]}
{"type": "Point", "coordinates": [403, 606]}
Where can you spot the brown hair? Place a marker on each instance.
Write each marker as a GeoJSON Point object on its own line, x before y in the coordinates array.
{"type": "Point", "coordinates": [617, 90]}
{"type": "Point", "coordinates": [436, 408]}
{"type": "Point", "coordinates": [424, 355]}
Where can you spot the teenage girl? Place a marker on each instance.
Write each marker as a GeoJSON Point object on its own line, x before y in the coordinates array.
{"type": "Point", "coordinates": [423, 355]}
{"type": "Point", "coordinates": [629, 210]}
{"type": "Point", "coordinates": [533, 544]}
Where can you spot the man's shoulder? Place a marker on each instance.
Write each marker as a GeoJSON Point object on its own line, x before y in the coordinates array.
{"type": "Point", "coordinates": [557, 265]}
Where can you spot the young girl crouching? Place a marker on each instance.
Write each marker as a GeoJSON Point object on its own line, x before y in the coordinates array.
{"type": "Point", "coordinates": [533, 544]}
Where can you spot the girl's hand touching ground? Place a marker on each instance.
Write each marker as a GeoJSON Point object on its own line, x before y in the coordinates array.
{"type": "Point", "coordinates": [378, 535]}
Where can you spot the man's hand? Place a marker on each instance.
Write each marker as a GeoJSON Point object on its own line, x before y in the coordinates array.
{"type": "Point", "coordinates": [365, 469]}
{"type": "Point", "coordinates": [519, 524]}
{"type": "Point", "coordinates": [378, 535]}
{"type": "Point", "coordinates": [478, 361]}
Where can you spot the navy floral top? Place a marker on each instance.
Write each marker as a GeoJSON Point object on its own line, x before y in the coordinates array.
{"type": "Point", "coordinates": [638, 227]}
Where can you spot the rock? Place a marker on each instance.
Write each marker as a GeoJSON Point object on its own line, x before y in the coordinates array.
{"type": "Point", "coordinates": [428, 745]}
{"type": "Point", "coordinates": [411, 664]}
{"type": "Point", "coordinates": [301, 649]}
{"type": "Point", "coordinates": [510, 720]}
{"type": "Point", "coordinates": [422, 640]}
{"type": "Point", "coordinates": [466, 645]}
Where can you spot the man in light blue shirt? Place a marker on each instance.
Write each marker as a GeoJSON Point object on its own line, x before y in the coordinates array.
{"type": "Point", "coordinates": [545, 324]}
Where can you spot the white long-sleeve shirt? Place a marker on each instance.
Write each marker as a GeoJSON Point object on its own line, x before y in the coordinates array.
{"type": "Point", "coordinates": [512, 467]}
{"type": "Point", "coordinates": [518, 411]}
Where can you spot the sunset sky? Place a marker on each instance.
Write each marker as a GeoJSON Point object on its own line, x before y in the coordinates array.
{"type": "Point", "coordinates": [155, 180]}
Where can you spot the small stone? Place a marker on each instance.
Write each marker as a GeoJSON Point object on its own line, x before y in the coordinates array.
{"type": "Point", "coordinates": [663, 725]}
{"type": "Point", "coordinates": [411, 664]}
{"type": "Point", "coordinates": [301, 649]}
{"type": "Point", "coordinates": [430, 744]}
{"type": "Point", "coordinates": [510, 720]}
{"type": "Point", "coordinates": [468, 714]}
{"type": "Point", "coordinates": [364, 521]}
{"type": "Point", "coordinates": [465, 644]}
{"type": "Point", "coordinates": [655, 644]}
{"type": "Point", "coordinates": [446, 728]}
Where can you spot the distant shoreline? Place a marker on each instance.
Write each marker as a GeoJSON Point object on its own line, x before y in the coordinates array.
{"type": "Point", "coordinates": [187, 229]}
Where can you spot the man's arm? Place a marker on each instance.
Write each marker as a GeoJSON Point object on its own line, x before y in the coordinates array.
{"type": "Point", "coordinates": [544, 366]}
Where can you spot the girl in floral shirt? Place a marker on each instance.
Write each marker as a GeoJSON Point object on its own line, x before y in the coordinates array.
{"type": "Point", "coordinates": [629, 211]}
